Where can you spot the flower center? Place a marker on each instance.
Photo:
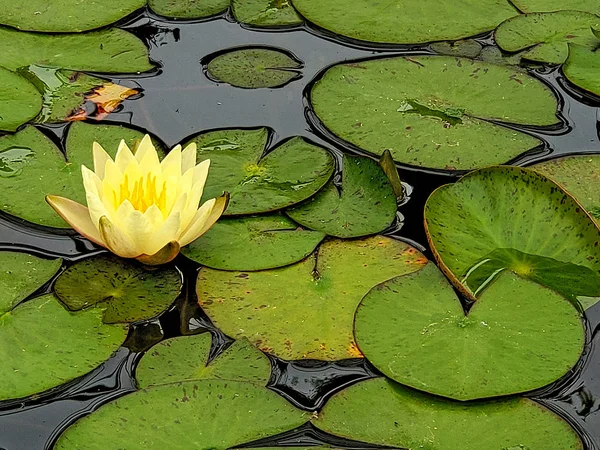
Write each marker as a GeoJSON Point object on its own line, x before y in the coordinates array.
{"type": "Point", "coordinates": [146, 192]}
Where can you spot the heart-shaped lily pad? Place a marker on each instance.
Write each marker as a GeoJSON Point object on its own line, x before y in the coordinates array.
{"type": "Point", "coordinates": [439, 115]}
{"type": "Point", "coordinates": [546, 36]}
{"type": "Point", "coordinates": [186, 402]}
{"type": "Point", "coordinates": [528, 6]}
{"type": "Point", "coordinates": [188, 9]}
{"type": "Point", "coordinates": [259, 183]}
{"type": "Point", "coordinates": [20, 101]}
{"type": "Point", "coordinates": [366, 204]}
{"type": "Point", "coordinates": [265, 13]}
{"type": "Point", "coordinates": [321, 292]}
{"type": "Point", "coordinates": [520, 218]}
{"type": "Point", "coordinates": [385, 413]}
{"type": "Point", "coordinates": [406, 21]}
{"type": "Point", "coordinates": [414, 330]}
{"type": "Point", "coordinates": [254, 68]}
{"type": "Point", "coordinates": [253, 243]}
{"type": "Point", "coordinates": [582, 68]}
{"type": "Point", "coordinates": [125, 291]}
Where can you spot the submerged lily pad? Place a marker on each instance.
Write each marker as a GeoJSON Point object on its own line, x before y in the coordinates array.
{"type": "Point", "coordinates": [582, 68]}
{"type": "Point", "coordinates": [366, 204]}
{"type": "Point", "coordinates": [546, 36]}
{"type": "Point", "coordinates": [414, 329]}
{"type": "Point", "coordinates": [513, 218]}
{"type": "Point", "coordinates": [528, 6]}
{"type": "Point", "coordinates": [265, 13]}
{"type": "Point", "coordinates": [20, 101]}
{"type": "Point", "coordinates": [260, 183]}
{"type": "Point", "coordinates": [188, 9]}
{"type": "Point", "coordinates": [187, 402]}
{"type": "Point", "coordinates": [385, 413]}
{"type": "Point", "coordinates": [125, 291]}
{"type": "Point", "coordinates": [439, 115]}
{"type": "Point", "coordinates": [305, 310]}
{"type": "Point", "coordinates": [254, 68]}
{"type": "Point", "coordinates": [253, 243]}
{"type": "Point", "coordinates": [468, 48]}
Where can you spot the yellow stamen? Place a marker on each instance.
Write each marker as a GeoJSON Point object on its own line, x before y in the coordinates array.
{"type": "Point", "coordinates": [144, 193]}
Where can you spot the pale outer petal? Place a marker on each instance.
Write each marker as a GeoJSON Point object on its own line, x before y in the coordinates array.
{"type": "Point", "coordinates": [188, 157]}
{"type": "Point", "coordinates": [144, 146]}
{"type": "Point", "coordinates": [135, 225]}
{"type": "Point", "coordinates": [124, 156]}
{"type": "Point", "coordinates": [117, 241]}
{"type": "Point", "coordinates": [192, 205]}
{"type": "Point", "coordinates": [205, 218]}
{"type": "Point", "coordinates": [112, 173]}
{"type": "Point", "coordinates": [201, 172]}
{"type": "Point", "coordinates": [171, 164]}
{"type": "Point", "coordinates": [100, 158]}
{"type": "Point", "coordinates": [96, 207]}
{"type": "Point", "coordinates": [168, 232]}
{"type": "Point", "coordinates": [91, 182]}
{"type": "Point", "coordinates": [76, 215]}
{"type": "Point", "coordinates": [149, 161]}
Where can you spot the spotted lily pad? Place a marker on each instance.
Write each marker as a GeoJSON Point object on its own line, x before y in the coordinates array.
{"type": "Point", "coordinates": [385, 413]}
{"type": "Point", "coordinates": [365, 204]}
{"type": "Point", "coordinates": [305, 310]}
{"type": "Point", "coordinates": [513, 218]}
{"type": "Point", "coordinates": [188, 9]}
{"type": "Point", "coordinates": [182, 400]}
{"type": "Point", "coordinates": [439, 116]}
{"type": "Point", "coordinates": [253, 243]}
{"type": "Point", "coordinates": [528, 6]}
{"type": "Point", "coordinates": [582, 68]}
{"type": "Point", "coordinates": [546, 36]}
{"type": "Point", "coordinates": [414, 329]}
{"type": "Point", "coordinates": [20, 101]}
{"type": "Point", "coordinates": [259, 183]}
{"type": "Point", "coordinates": [265, 13]}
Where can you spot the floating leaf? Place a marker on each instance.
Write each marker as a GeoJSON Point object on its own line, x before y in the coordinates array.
{"type": "Point", "coordinates": [366, 204]}
{"type": "Point", "coordinates": [439, 116]}
{"type": "Point", "coordinates": [254, 68]}
{"type": "Point", "coordinates": [265, 13]}
{"type": "Point", "coordinates": [106, 99]}
{"type": "Point", "coordinates": [513, 218]}
{"type": "Point", "coordinates": [385, 413]}
{"type": "Point", "coordinates": [287, 175]}
{"type": "Point", "coordinates": [322, 292]}
{"type": "Point", "coordinates": [20, 101]}
{"type": "Point", "coordinates": [188, 9]}
{"type": "Point", "coordinates": [528, 6]}
{"type": "Point", "coordinates": [468, 48]}
{"type": "Point", "coordinates": [582, 68]}
{"type": "Point", "coordinates": [253, 243]}
{"type": "Point", "coordinates": [414, 330]}
{"type": "Point", "coordinates": [44, 345]}
{"type": "Point", "coordinates": [546, 36]}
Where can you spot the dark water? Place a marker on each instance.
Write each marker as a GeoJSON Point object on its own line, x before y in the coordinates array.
{"type": "Point", "coordinates": [178, 100]}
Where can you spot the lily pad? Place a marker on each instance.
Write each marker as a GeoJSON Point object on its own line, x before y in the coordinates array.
{"type": "Point", "coordinates": [406, 21]}
{"type": "Point", "coordinates": [125, 291]}
{"type": "Point", "coordinates": [517, 219]}
{"type": "Point", "coordinates": [254, 68]}
{"type": "Point", "coordinates": [20, 101]}
{"type": "Point", "coordinates": [65, 15]}
{"type": "Point", "coordinates": [188, 9]}
{"type": "Point", "coordinates": [385, 413]}
{"type": "Point", "coordinates": [582, 68]}
{"type": "Point", "coordinates": [366, 204]}
{"type": "Point", "coordinates": [546, 36]}
{"type": "Point", "coordinates": [260, 183]}
{"type": "Point", "coordinates": [186, 402]}
{"type": "Point", "coordinates": [44, 345]}
{"type": "Point", "coordinates": [253, 243]}
{"type": "Point", "coordinates": [265, 13]}
{"type": "Point", "coordinates": [305, 310]}
{"type": "Point", "coordinates": [528, 6]}
{"type": "Point", "coordinates": [468, 48]}
{"type": "Point", "coordinates": [110, 51]}
{"type": "Point", "coordinates": [439, 116]}
{"type": "Point", "coordinates": [414, 329]}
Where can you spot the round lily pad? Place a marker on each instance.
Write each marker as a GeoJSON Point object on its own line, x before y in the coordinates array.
{"type": "Point", "coordinates": [265, 13]}
{"type": "Point", "coordinates": [406, 21]}
{"type": "Point", "coordinates": [253, 243]}
{"type": "Point", "coordinates": [439, 115]}
{"type": "Point", "coordinates": [385, 413]}
{"type": "Point", "coordinates": [20, 102]}
{"type": "Point", "coordinates": [366, 204]}
{"type": "Point", "coordinates": [582, 68]}
{"type": "Point", "coordinates": [414, 329]}
{"type": "Point", "coordinates": [528, 6]}
{"type": "Point", "coordinates": [44, 346]}
{"type": "Point", "coordinates": [254, 68]}
{"type": "Point", "coordinates": [305, 310]}
{"type": "Point", "coordinates": [125, 291]}
{"type": "Point", "coordinates": [546, 36]}
{"type": "Point", "coordinates": [260, 183]}
{"type": "Point", "coordinates": [65, 15]}
{"type": "Point", "coordinates": [513, 218]}
{"type": "Point", "coordinates": [188, 9]}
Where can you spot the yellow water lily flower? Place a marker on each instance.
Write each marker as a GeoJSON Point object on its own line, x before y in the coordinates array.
{"type": "Point", "coordinates": [140, 207]}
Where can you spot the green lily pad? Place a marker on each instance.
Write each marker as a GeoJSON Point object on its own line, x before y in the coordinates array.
{"type": "Point", "coordinates": [468, 48]}
{"type": "Point", "coordinates": [125, 291]}
{"type": "Point", "coordinates": [44, 345]}
{"type": "Point", "coordinates": [528, 6]}
{"type": "Point", "coordinates": [186, 402]}
{"type": "Point", "coordinates": [513, 218]}
{"type": "Point", "coordinates": [406, 21]}
{"type": "Point", "coordinates": [414, 329]}
{"type": "Point", "coordinates": [438, 117]}
{"type": "Point", "coordinates": [582, 68]}
{"type": "Point", "coordinates": [366, 204]}
{"type": "Point", "coordinates": [305, 310]}
{"type": "Point", "coordinates": [254, 68]}
{"type": "Point", "coordinates": [265, 13]}
{"type": "Point", "coordinates": [385, 413]}
{"type": "Point", "coordinates": [110, 51]}
{"type": "Point", "coordinates": [65, 15]}
{"type": "Point", "coordinates": [546, 36]}
{"type": "Point", "coordinates": [21, 275]}
{"type": "Point", "coordinates": [257, 183]}
{"type": "Point", "coordinates": [253, 243]}
{"type": "Point", "coordinates": [188, 9]}
{"type": "Point", "coordinates": [20, 101]}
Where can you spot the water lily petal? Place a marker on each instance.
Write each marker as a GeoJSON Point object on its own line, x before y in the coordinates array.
{"type": "Point", "coordinates": [201, 172]}
{"type": "Point", "coordinates": [202, 223]}
{"type": "Point", "coordinates": [76, 215]}
{"type": "Point", "coordinates": [117, 241]}
{"type": "Point", "coordinates": [163, 256]}
{"type": "Point", "coordinates": [171, 164]}
{"type": "Point", "coordinates": [188, 157]}
{"type": "Point", "coordinates": [194, 196]}
{"type": "Point", "coordinates": [135, 225]}
{"type": "Point", "coordinates": [112, 173]}
{"type": "Point", "coordinates": [91, 182]}
{"type": "Point", "coordinates": [143, 147]}
{"type": "Point", "coordinates": [168, 232]}
{"type": "Point", "coordinates": [100, 158]}
{"type": "Point", "coordinates": [97, 208]}
{"type": "Point", "coordinates": [124, 156]}
{"type": "Point", "coordinates": [149, 161]}
{"type": "Point", "coordinates": [155, 217]}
